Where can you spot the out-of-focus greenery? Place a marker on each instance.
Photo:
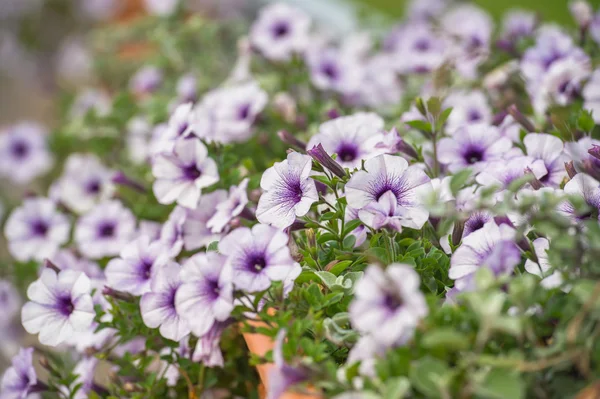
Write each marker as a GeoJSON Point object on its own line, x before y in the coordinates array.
{"type": "Point", "coordinates": [549, 10]}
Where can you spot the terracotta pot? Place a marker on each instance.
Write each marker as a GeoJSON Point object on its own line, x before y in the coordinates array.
{"type": "Point", "coordinates": [260, 344]}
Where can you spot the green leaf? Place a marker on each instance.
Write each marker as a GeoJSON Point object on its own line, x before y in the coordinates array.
{"type": "Point", "coordinates": [446, 338]}
{"type": "Point", "coordinates": [306, 276]}
{"type": "Point", "coordinates": [434, 106]}
{"type": "Point", "coordinates": [420, 125]}
{"type": "Point", "coordinates": [585, 121]}
{"type": "Point", "coordinates": [327, 278]}
{"type": "Point", "coordinates": [340, 267]}
{"type": "Point", "coordinates": [458, 181]}
{"type": "Point", "coordinates": [213, 246]}
{"type": "Point", "coordinates": [396, 388]}
{"type": "Point", "coordinates": [426, 375]}
{"type": "Point", "coordinates": [349, 242]}
{"type": "Point", "coordinates": [331, 299]}
{"type": "Point", "coordinates": [443, 117]}
{"type": "Point", "coordinates": [351, 225]}
{"type": "Point", "coordinates": [501, 384]}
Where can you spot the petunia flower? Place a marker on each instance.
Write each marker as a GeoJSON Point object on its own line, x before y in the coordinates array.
{"type": "Point", "coordinates": [207, 350]}
{"type": "Point", "coordinates": [158, 306]}
{"type": "Point", "coordinates": [91, 100]}
{"type": "Point", "coordinates": [139, 139]}
{"type": "Point", "coordinates": [257, 256]}
{"type": "Point", "coordinates": [388, 304]}
{"type": "Point", "coordinates": [146, 80]}
{"type": "Point", "coordinates": [20, 379]}
{"type": "Point", "coordinates": [491, 246]}
{"type": "Point", "coordinates": [85, 370]}
{"type": "Point", "coordinates": [181, 175]}
{"type": "Point", "coordinates": [583, 161]}
{"type": "Point", "coordinates": [388, 191]}
{"type": "Point", "coordinates": [588, 189]}
{"type": "Point", "coordinates": [137, 265]}
{"type": "Point", "coordinates": [179, 125]}
{"type": "Point", "coordinates": [591, 95]}
{"type": "Point", "coordinates": [84, 183]}
{"type": "Point", "coordinates": [280, 31]}
{"type": "Point", "coordinates": [542, 268]}
{"type": "Point", "coordinates": [195, 231]}
{"type": "Point", "coordinates": [548, 149]}
{"type": "Point", "coordinates": [36, 230]}
{"type": "Point", "coordinates": [416, 48]}
{"type": "Point", "coordinates": [473, 146]}
{"type": "Point", "coordinates": [227, 114]}
{"type": "Point", "coordinates": [283, 376]}
{"type": "Point", "coordinates": [206, 295]}
{"type": "Point", "coordinates": [10, 303]}
{"type": "Point", "coordinates": [467, 108]}
{"type": "Point", "coordinates": [24, 153]}
{"type": "Point", "coordinates": [353, 138]}
{"type": "Point", "coordinates": [171, 233]}
{"type": "Point", "coordinates": [60, 306]}
{"type": "Point", "coordinates": [230, 208]}
{"type": "Point", "coordinates": [288, 191]}
{"type": "Point", "coordinates": [332, 69]}
{"type": "Point", "coordinates": [104, 230]}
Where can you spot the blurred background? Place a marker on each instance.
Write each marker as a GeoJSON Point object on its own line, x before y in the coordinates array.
{"type": "Point", "coordinates": [43, 46]}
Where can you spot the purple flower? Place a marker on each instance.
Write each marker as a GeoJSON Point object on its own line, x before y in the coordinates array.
{"type": "Point", "coordinates": [587, 188]}
{"type": "Point", "coordinates": [187, 88]}
{"type": "Point", "coordinates": [582, 13]}
{"type": "Point", "coordinates": [60, 306]}
{"type": "Point", "coordinates": [19, 380]}
{"type": "Point", "coordinates": [84, 183]}
{"type": "Point", "coordinates": [137, 265]}
{"type": "Point", "coordinates": [10, 303]}
{"type": "Point", "coordinates": [380, 87]}
{"type": "Point", "coordinates": [491, 246]}
{"type": "Point", "coordinates": [426, 9]}
{"type": "Point", "coordinates": [146, 80]}
{"type": "Point", "coordinates": [282, 376]}
{"type": "Point", "coordinates": [207, 349]}
{"type": "Point", "coordinates": [85, 370]}
{"type": "Point", "coordinates": [582, 159]}
{"type": "Point", "coordinates": [367, 350]}
{"type": "Point", "coordinates": [332, 69]}
{"type": "Point", "coordinates": [388, 303]}
{"type": "Point", "coordinates": [542, 268]}
{"type": "Point", "coordinates": [230, 208]}
{"type": "Point", "coordinates": [502, 173]}
{"type": "Point", "coordinates": [288, 191]}
{"type": "Point", "coordinates": [353, 138]}
{"type": "Point", "coordinates": [206, 295]}
{"type": "Point", "coordinates": [416, 48]}
{"type": "Point", "coordinates": [104, 230]}
{"type": "Point", "coordinates": [591, 95]}
{"type": "Point", "coordinates": [90, 100]}
{"type": "Point", "coordinates": [473, 146]}
{"type": "Point", "coordinates": [389, 192]}
{"type": "Point", "coordinates": [360, 232]}
{"type": "Point", "coordinates": [24, 153]}
{"type": "Point", "coordinates": [181, 176]}
{"type": "Point", "coordinates": [36, 230]}
{"type": "Point", "coordinates": [518, 24]}
{"type": "Point", "coordinates": [548, 149]}
{"type": "Point", "coordinates": [158, 305]}
{"type": "Point", "coordinates": [257, 257]}
{"type": "Point", "coordinates": [65, 259]}
{"type": "Point", "coordinates": [594, 27]}
{"type": "Point", "coordinates": [171, 233]}
{"type": "Point", "coordinates": [227, 114]}
{"type": "Point", "coordinates": [179, 125]}
{"type": "Point", "coordinates": [467, 108]}
{"type": "Point", "coordinates": [139, 139]}
{"type": "Point", "coordinates": [280, 31]}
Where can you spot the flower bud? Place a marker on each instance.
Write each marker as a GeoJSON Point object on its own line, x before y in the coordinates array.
{"type": "Point", "coordinates": [520, 118]}
{"type": "Point", "coordinates": [290, 139]}
{"type": "Point", "coordinates": [319, 154]}
{"type": "Point", "coordinates": [582, 13]}
{"type": "Point", "coordinates": [595, 151]}
{"type": "Point", "coordinates": [570, 169]}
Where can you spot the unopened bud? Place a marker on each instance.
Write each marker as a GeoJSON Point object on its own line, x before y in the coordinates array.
{"type": "Point", "coordinates": [595, 151]}
{"type": "Point", "coordinates": [535, 183]}
{"type": "Point", "coordinates": [290, 139]}
{"type": "Point", "coordinates": [120, 295]}
{"type": "Point", "coordinates": [319, 154]}
{"type": "Point", "coordinates": [570, 168]}
{"type": "Point", "coordinates": [122, 179]}
{"type": "Point", "coordinates": [457, 232]}
{"type": "Point", "coordinates": [520, 118]}
{"type": "Point", "coordinates": [50, 265]}
{"type": "Point", "coordinates": [333, 113]}
{"type": "Point", "coordinates": [582, 13]}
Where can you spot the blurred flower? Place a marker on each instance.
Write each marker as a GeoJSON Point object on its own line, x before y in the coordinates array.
{"type": "Point", "coordinates": [135, 268]}
{"type": "Point", "coordinates": [353, 138]}
{"type": "Point", "coordinates": [282, 376]}
{"type": "Point", "coordinates": [582, 12]}
{"type": "Point", "coordinates": [24, 153]}
{"type": "Point", "coordinates": [91, 100]}
{"type": "Point", "coordinates": [388, 304]}
{"type": "Point", "coordinates": [230, 208]}
{"type": "Point", "coordinates": [548, 149]}
{"type": "Point", "coordinates": [491, 246]}
{"type": "Point", "coordinates": [280, 31]}
{"type": "Point", "coordinates": [205, 296]}
{"type": "Point", "coordinates": [179, 126]}
{"type": "Point", "coordinates": [502, 172]}
{"type": "Point", "coordinates": [100, 10]}
{"type": "Point", "coordinates": [542, 268]}
{"type": "Point", "coordinates": [288, 191]}
{"type": "Point", "coordinates": [171, 233]}
{"type": "Point", "coordinates": [20, 380]}
{"type": "Point", "coordinates": [74, 63]}
{"type": "Point", "coordinates": [84, 183]}
{"type": "Point", "coordinates": [416, 48]}
{"type": "Point", "coordinates": [146, 80]}
{"type": "Point", "coordinates": [158, 306]}
{"type": "Point", "coordinates": [60, 306]}
{"type": "Point", "coordinates": [36, 230]}
{"type": "Point", "coordinates": [388, 191]}
{"type": "Point", "coordinates": [257, 256]}
{"type": "Point", "coordinates": [426, 9]}
{"type": "Point", "coordinates": [187, 88]}
{"type": "Point", "coordinates": [331, 69]}
{"type": "Point", "coordinates": [588, 189]}
{"type": "Point", "coordinates": [84, 371]}
{"type": "Point", "coordinates": [518, 24]}
{"type": "Point", "coordinates": [207, 349]}
{"type": "Point", "coordinates": [195, 231]}
{"type": "Point", "coordinates": [139, 139]}
{"type": "Point", "coordinates": [181, 176]}
{"type": "Point", "coordinates": [467, 108]}
{"type": "Point", "coordinates": [104, 230]}
{"type": "Point", "coordinates": [10, 303]}
{"type": "Point", "coordinates": [161, 7]}
{"type": "Point", "coordinates": [591, 95]}
{"type": "Point", "coordinates": [360, 232]}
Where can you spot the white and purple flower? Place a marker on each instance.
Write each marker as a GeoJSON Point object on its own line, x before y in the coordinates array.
{"type": "Point", "coordinates": [181, 175]}
{"type": "Point", "coordinates": [388, 304]}
{"type": "Point", "coordinates": [60, 306]}
{"type": "Point", "coordinates": [206, 296]}
{"type": "Point", "coordinates": [257, 257]}
{"type": "Point", "coordinates": [36, 230]}
{"type": "Point", "coordinates": [230, 208]}
{"type": "Point", "coordinates": [549, 150]}
{"type": "Point", "coordinates": [542, 268]}
{"type": "Point", "coordinates": [288, 191]}
{"type": "Point", "coordinates": [389, 192]}
{"type": "Point", "coordinates": [104, 230]}
{"type": "Point", "coordinates": [20, 379]}
{"type": "Point", "coordinates": [24, 153]}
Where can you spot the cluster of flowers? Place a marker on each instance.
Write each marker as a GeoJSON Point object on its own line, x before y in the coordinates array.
{"type": "Point", "coordinates": [462, 165]}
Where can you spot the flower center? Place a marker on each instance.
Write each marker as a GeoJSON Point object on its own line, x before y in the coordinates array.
{"type": "Point", "coordinates": [191, 172]}
{"type": "Point", "coordinates": [422, 45]}
{"type": "Point", "coordinates": [473, 155]}
{"type": "Point", "coordinates": [256, 263]}
{"type": "Point", "coordinates": [347, 152]}
{"type": "Point", "coordinates": [281, 29]}
{"type": "Point", "coordinates": [329, 70]}
{"type": "Point", "coordinates": [473, 115]}
{"type": "Point", "coordinates": [182, 128]}
{"type": "Point", "coordinates": [20, 149]}
{"type": "Point", "coordinates": [146, 269]}
{"type": "Point", "coordinates": [65, 305]}
{"type": "Point", "coordinates": [39, 228]}
{"type": "Point", "coordinates": [244, 112]}
{"type": "Point", "coordinates": [93, 187]}
{"type": "Point", "coordinates": [106, 230]}
{"type": "Point", "coordinates": [392, 302]}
